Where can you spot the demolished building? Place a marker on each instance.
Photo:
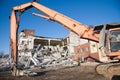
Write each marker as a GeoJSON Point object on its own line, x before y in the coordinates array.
{"type": "Point", "coordinates": [43, 51]}
{"type": "Point", "coordinates": [83, 49]}
{"type": "Point", "coordinates": [72, 45]}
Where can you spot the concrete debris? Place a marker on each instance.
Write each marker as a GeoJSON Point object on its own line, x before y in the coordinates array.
{"type": "Point", "coordinates": [41, 53]}
{"type": "Point", "coordinates": [5, 64]}
{"type": "Point", "coordinates": [29, 73]}
{"type": "Point", "coordinates": [46, 57]}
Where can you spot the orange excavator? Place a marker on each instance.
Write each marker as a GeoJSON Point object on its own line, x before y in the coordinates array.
{"type": "Point", "coordinates": [107, 35]}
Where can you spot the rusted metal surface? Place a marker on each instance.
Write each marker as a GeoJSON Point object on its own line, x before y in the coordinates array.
{"type": "Point", "coordinates": [13, 37]}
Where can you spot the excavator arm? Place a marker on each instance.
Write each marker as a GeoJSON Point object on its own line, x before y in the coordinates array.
{"type": "Point", "coordinates": [80, 29]}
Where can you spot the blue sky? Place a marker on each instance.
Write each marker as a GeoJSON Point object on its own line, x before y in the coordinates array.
{"type": "Point", "coordinates": [89, 12]}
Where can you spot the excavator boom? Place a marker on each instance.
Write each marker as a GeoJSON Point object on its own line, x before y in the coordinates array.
{"type": "Point", "coordinates": [80, 29]}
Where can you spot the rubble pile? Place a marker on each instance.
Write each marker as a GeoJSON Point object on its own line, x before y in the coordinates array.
{"type": "Point", "coordinates": [44, 57]}
{"type": "Point", "coordinates": [5, 64]}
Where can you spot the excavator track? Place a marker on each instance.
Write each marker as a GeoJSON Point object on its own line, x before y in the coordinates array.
{"type": "Point", "coordinates": [111, 71]}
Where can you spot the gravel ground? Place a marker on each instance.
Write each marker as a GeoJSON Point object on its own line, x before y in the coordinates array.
{"type": "Point", "coordinates": [84, 72]}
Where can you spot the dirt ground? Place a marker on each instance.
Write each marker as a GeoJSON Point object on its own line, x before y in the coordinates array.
{"type": "Point", "coordinates": [84, 72]}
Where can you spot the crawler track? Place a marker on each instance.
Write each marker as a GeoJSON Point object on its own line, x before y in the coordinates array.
{"type": "Point", "coordinates": [110, 70]}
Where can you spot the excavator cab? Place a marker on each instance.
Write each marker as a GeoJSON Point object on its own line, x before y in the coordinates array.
{"type": "Point", "coordinates": [109, 41]}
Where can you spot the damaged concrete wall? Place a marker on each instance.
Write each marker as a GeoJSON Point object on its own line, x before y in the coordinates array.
{"type": "Point", "coordinates": [74, 40]}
